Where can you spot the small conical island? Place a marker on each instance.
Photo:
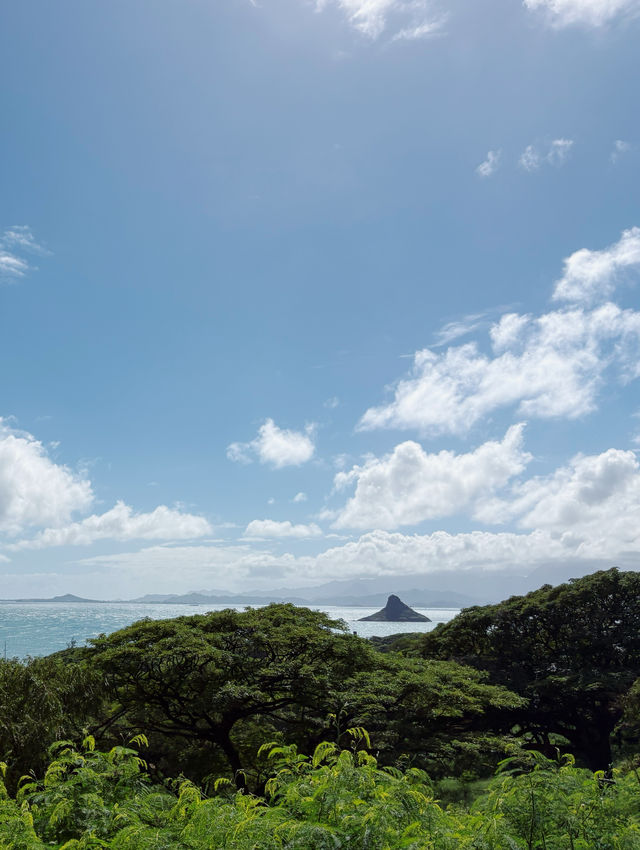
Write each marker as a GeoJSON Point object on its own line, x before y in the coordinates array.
{"type": "Point", "coordinates": [395, 611]}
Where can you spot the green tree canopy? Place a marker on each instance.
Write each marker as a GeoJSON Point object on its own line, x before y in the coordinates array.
{"type": "Point", "coordinates": [230, 678]}
{"type": "Point", "coordinates": [572, 650]}
{"type": "Point", "coordinates": [41, 701]}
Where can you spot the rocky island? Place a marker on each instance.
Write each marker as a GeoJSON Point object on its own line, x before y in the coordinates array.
{"type": "Point", "coordinates": [395, 611]}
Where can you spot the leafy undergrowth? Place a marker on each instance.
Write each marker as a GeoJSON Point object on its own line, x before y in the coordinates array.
{"type": "Point", "coordinates": [338, 800]}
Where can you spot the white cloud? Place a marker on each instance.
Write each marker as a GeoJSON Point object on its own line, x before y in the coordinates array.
{"type": "Point", "coordinates": [557, 153]}
{"type": "Point", "coordinates": [121, 523]}
{"type": "Point", "coordinates": [11, 265]}
{"type": "Point", "coordinates": [490, 164]}
{"type": "Point", "coordinates": [14, 242]}
{"type": "Point", "coordinates": [300, 497]}
{"type": "Point", "coordinates": [454, 330]}
{"type": "Point", "coordinates": [275, 446]}
{"type": "Point", "coordinates": [423, 30]}
{"type": "Point", "coordinates": [591, 13]}
{"type": "Point", "coordinates": [263, 528]}
{"type": "Point", "coordinates": [332, 403]}
{"type": "Point", "coordinates": [377, 553]}
{"type": "Point", "coordinates": [573, 495]}
{"type": "Point", "coordinates": [553, 368]}
{"type": "Point", "coordinates": [584, 513]}
{"type": "Point", "coordinates": [549, 366]}
{"type": "Point", "coordinates": [530, 159]}
{"type": "Point", "coordinates": [592, 275]}
{"type": "Point", "coordinates": [406, 19]}
{"type": "Point", "coordinates": [620, 148]}
{"type": "Point", "coordinates": [409, 486]}
{"type": "Point", "coordinates": [591, 505]}
{"type": "Point", "coordinates": [35, 491]}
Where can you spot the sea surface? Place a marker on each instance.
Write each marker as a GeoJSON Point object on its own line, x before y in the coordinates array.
{"type": "Point", "coordinates": [41, 628]}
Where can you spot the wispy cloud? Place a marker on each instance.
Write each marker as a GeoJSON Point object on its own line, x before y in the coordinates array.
{"type": "Point", "coordinates": [589, 13]}
{"type": "Point", "coordinates": [401, 19]}
{"type": "Point", "coordinates": [15, 242]}
{"type": "Point", "coordinates": [490, 164]}
{"type": "Point", "coordinates": [556, 153]}
{"type": "Point", "coordinates": [620, 148]}
{"type": "Point", "coordinates": [459, 328]}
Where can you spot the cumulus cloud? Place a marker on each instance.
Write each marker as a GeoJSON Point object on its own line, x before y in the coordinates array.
{"type": "Point", "coordinates": [403, 19]}
{"type": "Point", "coordinates": [588, 497]}
{"type": "Point", "coordinates": [553, 368]}
{"type": "Point", "coordinates": [490, 164]}
{"type": "Point", "coordinates": [121, 524]}
{"type": "Point", "coordinates": [586, 513]}
{"type": "Point", "coordinates": [34, 490]}
{"type": "Point", "coordinates": [300, 497]}
{"type": "Point", "coordinates": [590, 13]}
{"type": "Point", "coordinates": [549, 366]}
{"type": "Point", "coordinates": [15, 242]}
{"type": "Point", "coordinates": [592, 275]}
{"type": "Point", "coordinates": [275, 446]}
{"type": "Point", "coordinates": [262, 528]}
{"type": "Point", "coordinates": [409, 485]}
{"type": "Point", "coordinates": [556, 153]}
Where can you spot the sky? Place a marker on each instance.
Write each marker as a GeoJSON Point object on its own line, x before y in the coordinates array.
{"type": "Point", "coordinates": [303, 290]}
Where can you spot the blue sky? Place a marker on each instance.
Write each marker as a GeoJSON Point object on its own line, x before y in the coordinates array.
{"type": "Point", "coordinates": [293, 291]}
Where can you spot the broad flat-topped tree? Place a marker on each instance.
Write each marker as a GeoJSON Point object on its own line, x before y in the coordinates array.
{"type": "Point", "coordinates": [211, 678]}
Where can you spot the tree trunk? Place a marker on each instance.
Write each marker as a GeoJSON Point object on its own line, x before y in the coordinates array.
{"type": "Point", "coordinates": [592, 743]}
{"type": "Point", "coordinates": [223, 739]}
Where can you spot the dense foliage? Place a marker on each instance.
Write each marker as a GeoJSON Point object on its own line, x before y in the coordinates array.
{"type": "Point", "coordinates": [336, 799]}
{"type": "Point", "coordinates": [520, 685]}
{"type": "Point", "coordinates": [573, 651]}
{"type": "Point", "coordinates": [41, 700]}
{"type": "Point", "coordinates": [218, 683]}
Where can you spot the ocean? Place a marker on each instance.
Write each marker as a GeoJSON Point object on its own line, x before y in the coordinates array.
{"type": "Point", "coordinates": [42, 628]}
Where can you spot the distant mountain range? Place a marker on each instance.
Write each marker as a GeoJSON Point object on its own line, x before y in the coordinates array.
{"type": "Point", "coordinates": [442, 589]}
{"type": "Point", "coordinates": [421, 598]}
{"type": "Point", "coordinates": [66, 597]}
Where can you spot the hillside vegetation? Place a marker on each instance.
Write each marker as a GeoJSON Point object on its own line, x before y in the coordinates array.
{"type": "Point", "coordinates": [189, 732]}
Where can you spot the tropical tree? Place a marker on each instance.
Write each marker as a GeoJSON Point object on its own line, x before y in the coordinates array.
{"type": "Point", "coordinates": [225, 680]}
{"type": "Point", "coordinates": [572, 650]}
{"type": "Point", "coordinates": [41, 701]}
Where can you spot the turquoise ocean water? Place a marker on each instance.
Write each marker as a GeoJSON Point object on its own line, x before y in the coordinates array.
{"type": "Point", "coordinates": [41, 628]}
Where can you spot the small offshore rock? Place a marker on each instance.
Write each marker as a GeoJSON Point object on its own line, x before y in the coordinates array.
{"type": "Point", "coordinates": [395, 611]}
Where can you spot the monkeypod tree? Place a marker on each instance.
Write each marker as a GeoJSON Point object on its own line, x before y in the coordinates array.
{"type": "Point", "coordinates": [572, 650]}
{"type": "Point", "coordinates": [228, 679]}
{"type": "Point", "coordinates": [196, 678]}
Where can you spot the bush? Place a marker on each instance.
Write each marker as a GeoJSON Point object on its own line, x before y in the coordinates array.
{"type": "Point", "coordinates": [333, 799]}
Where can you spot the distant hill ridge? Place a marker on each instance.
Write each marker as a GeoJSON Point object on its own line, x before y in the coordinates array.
{"type": "Point", "coordinates": [436, 589]}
